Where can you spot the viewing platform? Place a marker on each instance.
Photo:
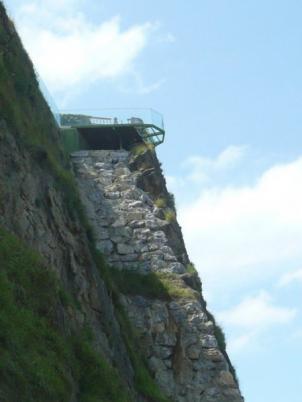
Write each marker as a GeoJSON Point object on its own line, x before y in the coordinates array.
{"type": "Point", "coordinates": [110, 128]}
{"type": "Point", "coordinates": [105, 128]}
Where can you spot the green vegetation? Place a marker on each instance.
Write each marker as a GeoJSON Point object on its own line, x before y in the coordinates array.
{"type": "Point", "coordinates": [141, 148]}
{"type": "Point", "coordinates": [168, 207]}
{"type": "Point", "coordinates": [220, 336]}
{"type": "Point", "coordinates": [97, 380]}
{"type": "Point", "coordinates": [39, 362]}
{"type": "Point", "coordinates": [144, 383]}
{"type": "Point", "coordinates": [28, 117]}
{"type": "Point", "coordinates": [158, 285]}
{"type": "Point", "coordinates": [191, 268]}
{"type": "Point", "coordinates": [130, 283]}
{"type": "Point", "coordinates": [170, 215]}
{"type": "Point", "coordinates": [160, 202]}
{"type": "Point", "coordinates": [37, 359]}
{"type": "Point", "coordinates": [171, 201]}
{"type": "Point", "coordinates": [21, 103]}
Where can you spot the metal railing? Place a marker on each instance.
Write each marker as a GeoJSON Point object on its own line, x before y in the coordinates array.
{"type": "Point", "coordinates": [148, 123]}
{"type": "Point", "coordinates": [136, 116]}
{"type": "Point", "coordinates": [49, 99]}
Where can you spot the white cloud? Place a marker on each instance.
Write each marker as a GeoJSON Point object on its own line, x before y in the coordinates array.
{"type": "Point", "coordinates": [68, 49]}
{"type": "Point", "coordinates": [252, 317]}
{"type": "Point", "coordinates": [238, 343]}
{"type": "Point", "coordinates": [202, 168]}
{"type": "Point", "coordinates": [290, 277]}
{"type": "Point", "coordinates": [237, 234]}
{"type": "Point", "coordinates": [257, 313]}
{"type": "Point", "coordinates": [137, 82]}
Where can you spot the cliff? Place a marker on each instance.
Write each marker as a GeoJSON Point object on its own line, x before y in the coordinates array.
{"type": "Point", "coordinates": [99, 301]}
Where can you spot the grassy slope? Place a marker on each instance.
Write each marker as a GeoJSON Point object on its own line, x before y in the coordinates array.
{"type": "Point", "coordinates": [38, 363]}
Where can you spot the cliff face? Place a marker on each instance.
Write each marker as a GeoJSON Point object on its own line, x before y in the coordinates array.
{"type": "Point", "coordinates": [136, 236]}
{"type": "Point", "coordinates": [74, 327]}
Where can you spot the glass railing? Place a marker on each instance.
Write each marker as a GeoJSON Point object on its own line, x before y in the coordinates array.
{"type": "Point", "coordinates": [148, 123]}
{"type": "Point", "coordinates": [99, 117]}
{"type": "Point", "coordinates": [137, 117]}
{"type": "Point", "coordinates": [49, 99]}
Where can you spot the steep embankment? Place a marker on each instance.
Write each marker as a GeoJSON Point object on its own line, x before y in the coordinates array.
{"type": "Point", "coordinates": [65, 334]}
{"type": "Point", "coordinates": [135, 226]}
{"type": "Point", "coordinates": [62, 337]}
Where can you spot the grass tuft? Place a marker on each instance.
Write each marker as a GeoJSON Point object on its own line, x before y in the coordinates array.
{"type": "Point", "coordinates": [141, 148]}
{"type": "Point", "coordinates": [157, 285]}
{"type": "Point", "coordinates": [160, 202]}
{"type": "Point", "coordinates": [170, 215]}
{"type": "Point", "coordinates": [191, 269]}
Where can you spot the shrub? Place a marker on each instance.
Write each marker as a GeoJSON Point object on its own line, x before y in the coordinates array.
{"type": "Point", "coordinates": [170, 215]}
{"type": "Point", "coordinates": [171, 201]}
{"type": "Point", "coordinates": [160, 202]}
{"type": "Point", "coordinates": [191, 268]}
{"type": "Point", "coordinates": [141, 148]}
{"type": "Point", "coordinates": [157, 285]}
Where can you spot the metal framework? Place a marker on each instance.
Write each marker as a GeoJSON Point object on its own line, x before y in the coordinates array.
{"type": "Point", "coordinates": [146, 122]}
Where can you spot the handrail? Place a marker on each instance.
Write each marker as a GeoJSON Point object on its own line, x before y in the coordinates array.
{"type": "Point", "coordinates": [77, 118]}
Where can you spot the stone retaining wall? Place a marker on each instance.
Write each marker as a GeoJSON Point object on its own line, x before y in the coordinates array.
{"type": "Point", "coordinates": [177, 335]}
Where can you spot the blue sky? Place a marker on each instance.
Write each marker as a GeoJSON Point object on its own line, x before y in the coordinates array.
{"type": "Point", "coordinates": [227, 77]}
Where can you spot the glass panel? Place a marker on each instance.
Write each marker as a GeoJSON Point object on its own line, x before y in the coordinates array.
{"type": "Point", "coordinates": [49, 99]}
{"type": "Point", "coordinates": [74, 118]}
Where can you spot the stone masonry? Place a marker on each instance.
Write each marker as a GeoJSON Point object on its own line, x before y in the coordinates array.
{"type": "Point", "coordinates": [178, 336]}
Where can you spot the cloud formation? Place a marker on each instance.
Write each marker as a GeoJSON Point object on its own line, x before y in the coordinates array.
{"type": "Point", "coordinates": [257, 312]}
{"type": "Point", "coordinates": [203, 168]}
{"type": "Point", "coordinates": [252, 317]}
{"type": "Point", "coordinates": [68, 49]}
{"type": "Point", "coordinates": [290, 277]}
{"type": "Point", "coordinates": [238, 234]}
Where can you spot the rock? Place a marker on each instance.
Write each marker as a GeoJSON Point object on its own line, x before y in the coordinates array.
{"type": "Point", "coordinates": [137, 224]}
{"type": "Point", "coordinates": [136, 204]}
{"type": "Point", "coordinates": [176, 267]}
{"type": "Point", "coordinates": [119, 222]}
{"type": "Point", "coordinates": [226, 379]}
{"type": "Point", "coordinates": [214, 355]}
{"type": "Point", "coordinates": [177, 336]}
{"type": "Point", "coordinates": [120, 231]}
{"type": "Point", "coordinates": [209, 341]}
{"type": "Point", "coordinates": [105, 246]}
{"type": "Point", "coordinates": [166, 338]}
{"type": "Point", "coordinates": [134, 216]}
{"type": "Point", "coordinates": [194, 351]}
{"type": "Point", "coordinates": [122, 171]}
{"type": "Point", "coordinates": [128, 257]}
{"type": "Point", "coordinates": [140, 247]}
{"type": "Point", "coordinates": [102, 234]}
{"type": "Point", "coordinates": [113, 195]}
{"type": "Point", "coordinates": [124, 249]}
{"type": "Point", "coordinates": [163, 352]}
{"type": "Point", "coordinates": [80, 154]}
